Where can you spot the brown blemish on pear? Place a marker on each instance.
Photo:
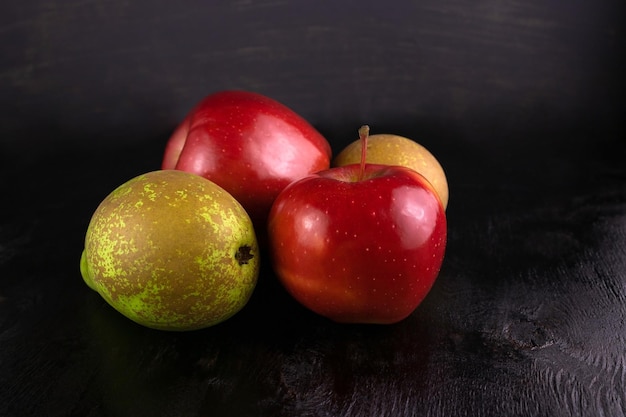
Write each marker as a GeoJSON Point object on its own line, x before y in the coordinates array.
{"type": "Point", "coordinates": [244, 255]}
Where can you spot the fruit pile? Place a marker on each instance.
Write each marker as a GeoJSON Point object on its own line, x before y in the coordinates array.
{"type": "Point", "coordinates": [244, 177]}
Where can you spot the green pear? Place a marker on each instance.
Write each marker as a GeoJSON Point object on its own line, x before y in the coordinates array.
{"type": "Point", "coordinates": [171, 251]}
{"type": "Point", "coordinates": [388, 149]}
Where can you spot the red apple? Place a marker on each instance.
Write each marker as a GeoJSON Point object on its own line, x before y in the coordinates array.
{"type": "Point", "coordinates": [361, 243]}
{"type": "Point", "coordinates": [250, 145]}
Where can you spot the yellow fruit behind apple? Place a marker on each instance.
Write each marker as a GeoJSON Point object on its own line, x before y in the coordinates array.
{"type": "Point", "coordinates": [388, 149]}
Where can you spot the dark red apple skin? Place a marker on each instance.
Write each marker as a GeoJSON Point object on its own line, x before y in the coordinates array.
{"type": "Point", "coordinates": [250, 145]}
{"type": "Point", "coordinates": [358, 251]}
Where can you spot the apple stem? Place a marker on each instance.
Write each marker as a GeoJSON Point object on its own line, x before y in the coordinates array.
{"type": "Point", "coordinates": [364, 132]}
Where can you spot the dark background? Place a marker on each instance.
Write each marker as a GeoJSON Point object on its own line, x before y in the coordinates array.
{"type": "Point", "coordinates": [522, 103]}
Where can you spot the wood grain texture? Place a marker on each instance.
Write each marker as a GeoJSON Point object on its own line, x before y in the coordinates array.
{"type": "Point", "coordinates": [526, 318]}
{"type": "Point", "coordinates": [522, 102]}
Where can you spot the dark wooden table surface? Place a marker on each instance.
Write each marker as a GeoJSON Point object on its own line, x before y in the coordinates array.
{"type": "Point", "coordinates": [523, 104]}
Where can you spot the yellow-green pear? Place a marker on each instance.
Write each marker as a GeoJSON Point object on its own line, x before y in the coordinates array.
{"type": "Point", "coordinates": [172, 251]}
{"type": "Point", "coordinates": [388, 149]}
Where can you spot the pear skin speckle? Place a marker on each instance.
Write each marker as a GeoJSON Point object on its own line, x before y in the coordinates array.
{"type": "Point", "coordinates": [162, 250]}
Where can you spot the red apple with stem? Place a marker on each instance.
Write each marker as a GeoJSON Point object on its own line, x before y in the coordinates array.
{"type": "Point", "coordinates": [250, 145]}
{"type": "Point", "coordinates": [361, 243]}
